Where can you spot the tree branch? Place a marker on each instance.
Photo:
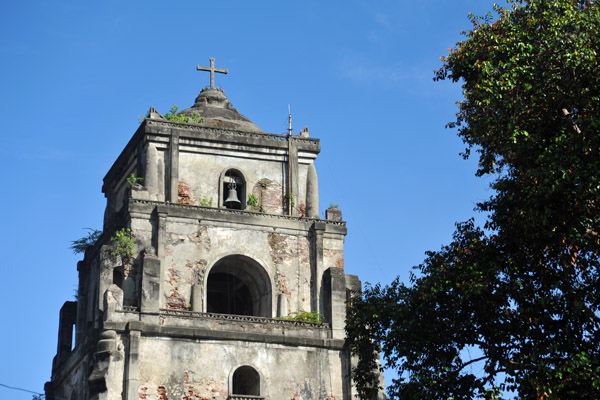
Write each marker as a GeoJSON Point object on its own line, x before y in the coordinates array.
{"type": "Point", "coordinates": [472, 361]}
{"type": "Point", "coordinates": [574, 125]}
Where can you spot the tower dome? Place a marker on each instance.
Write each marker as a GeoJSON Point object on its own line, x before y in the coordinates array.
{"type": "Point", "coordinates": [212, 105]}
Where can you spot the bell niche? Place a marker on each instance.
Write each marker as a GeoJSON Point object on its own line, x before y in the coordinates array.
{"type": "Point", "coordinates": [233, 190]}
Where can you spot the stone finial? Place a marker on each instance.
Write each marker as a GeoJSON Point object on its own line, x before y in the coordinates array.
{"type": "Point", "coordinates": [304, 132]}
{"type": "Point", "coordinates": [152, 113]}
{"type": "Point", "coordinates": [333, 214]}
{"type": "Point", "coordinates": [113, 300]}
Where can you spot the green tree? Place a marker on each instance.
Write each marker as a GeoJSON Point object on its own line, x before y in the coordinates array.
{"type": "Point", "coordinates": [511, 308]}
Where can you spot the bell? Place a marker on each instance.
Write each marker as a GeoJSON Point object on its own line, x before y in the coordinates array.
{"type": "Point", "coordinates": [232, 198]}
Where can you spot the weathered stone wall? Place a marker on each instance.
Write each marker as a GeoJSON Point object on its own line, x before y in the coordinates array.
{"type": "Point", "coordinates": [203, 370]}
{"type": "Point", "coordinates": [193, 248]}
{"type": "Point", "coordinates": [74, 386]}
{"type": "Point", "coordinates": [333, 252]}
{"type": "Point", "coordinates": [87, 374]}
{"type": "Point", "coordinates": [200, 173]}
{"type": "Point", "coordinates": [199, 180]}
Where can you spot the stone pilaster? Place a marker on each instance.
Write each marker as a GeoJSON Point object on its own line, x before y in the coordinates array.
{"type": "Point", "coordinates": [150, 293]}
{"type": "Point", "coordinates": [161, 231]}
{"type": "Point", "coordinates": [334, 289]}
{"type": "Point", "coordinates": [107, 267]}
{"type": "Point", "coordinates": [132, 361]}
{"type": "Point", "coordinates": [173, 184]}
{"type": "Point", "coordinates": [312, 192]}
{"type": "Point", "coordinates": [151, 172]}
{"type": "Point", "coordinates": [197, 298]}
{"type": "Point", "coordinates": [294, 182]}
{"type": "Point", "coordinates": [317, 266]}
{"type": "Point", "coordinates": [282, 305]}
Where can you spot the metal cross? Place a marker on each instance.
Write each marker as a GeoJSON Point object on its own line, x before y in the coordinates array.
{"type": "Point", "coordinates": [212, 70]}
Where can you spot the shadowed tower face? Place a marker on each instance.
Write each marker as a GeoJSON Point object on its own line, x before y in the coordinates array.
{"type": "Point", "coordinates": [201, 307]}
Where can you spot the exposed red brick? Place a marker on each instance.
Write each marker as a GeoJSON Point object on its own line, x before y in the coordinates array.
{"type": "Point", "coordinates": [340, 261]}
{"type": "Point", "coordinates": [284, 247]}
{"type": "Point", "coordinates": [162, 393]}
{"type": "Point", "coordinates": [184, 193]}
{"type": "Point", "coordinates": [270, 196]}
{"type": "Point", "coordinates": [173, 276]}
{"type": "Point", "coordinates": [202, 237]}
{"type": "Point", "coordinates": [336, 255]}
{"type": "Point", "coordinates": [198, 270]}
{"type": "Point", "coordinates": [142, 394]}
{"type": "Point", "coordinates": [176, 301]}
{"type": "Point", "coordinates": [281, 282]}
{"type": "Point", "coordinates": [302, 210]}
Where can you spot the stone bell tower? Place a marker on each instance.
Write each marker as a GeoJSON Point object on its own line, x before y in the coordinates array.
{"type": "Point", "coordinates": [226, 244]}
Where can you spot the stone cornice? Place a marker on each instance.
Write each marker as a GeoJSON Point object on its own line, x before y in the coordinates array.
{"type": "Point", "coordinates": [192, 132]}
{"type": "Point", "coordinates": [230, 135]}
{"type": "Point", "coordinates": [236, 216]}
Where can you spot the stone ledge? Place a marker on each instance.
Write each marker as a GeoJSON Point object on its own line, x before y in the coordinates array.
{"type": "Point", "coordinates": [185, 332]}
{"type": "Point", "coordinates": [223, 323]}
{"type": "Point", "coordinates": [244, 318]}
{"type": "Point", "coordinates": [236, 216]}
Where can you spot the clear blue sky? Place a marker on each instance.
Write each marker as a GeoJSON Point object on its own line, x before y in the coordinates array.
{"type": "Point", "coordinates": [76, 75]}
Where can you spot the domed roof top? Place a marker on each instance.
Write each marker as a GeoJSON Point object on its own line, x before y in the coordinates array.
{"type": "Point", "coordinates": [217, 111]}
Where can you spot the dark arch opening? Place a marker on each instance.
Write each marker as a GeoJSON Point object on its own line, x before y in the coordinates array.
{"type": "Point", "coordinates": [238, 285]}
{"type": "Point", "coordinates": [246, 381]}
{"type": "Point", "coordinates": [227, 294]}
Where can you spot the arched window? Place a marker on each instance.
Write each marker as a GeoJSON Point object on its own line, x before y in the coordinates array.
{"type": "Point", "coordinates": [238, 285]}
{"type": "Point", "coordinates": [232, 180]}
{"type": "Point", "coordinates": [246, 382]}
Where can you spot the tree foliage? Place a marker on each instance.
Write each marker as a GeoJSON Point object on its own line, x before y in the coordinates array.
{"type": "Point", "coordinates": [511, 308]}
{"type": "Point", "coordinates": [172, 115]}
{"type": "Point", "coordinates": [304, 316]}
{"type": "Point", "coordinates": [124, 243]}
{"type": "Point", "coordinates": [82, 244]}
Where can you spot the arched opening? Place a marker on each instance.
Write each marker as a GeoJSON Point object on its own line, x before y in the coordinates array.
{"type": "Point", "coordinates": [246, 382]}
{"type": "Point", "coordinates": [238, 285]}
{"type": "Point", "coordinates": [228, 294]}
{"type": "Point", "coordinates": [233, 179]}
